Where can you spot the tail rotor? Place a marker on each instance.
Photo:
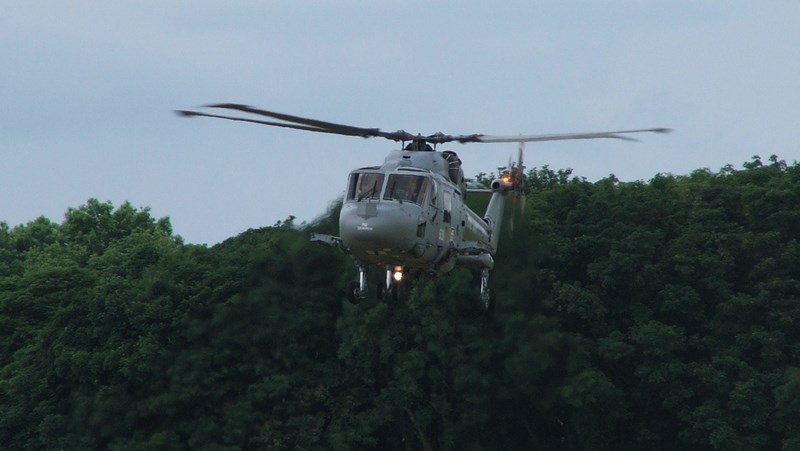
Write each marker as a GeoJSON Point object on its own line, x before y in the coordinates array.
{"type": "Point", "coordinates": [515, 174]}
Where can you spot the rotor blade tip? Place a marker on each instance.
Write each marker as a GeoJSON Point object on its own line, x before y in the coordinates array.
{"type": "Point", "coordinates": [622, 137]}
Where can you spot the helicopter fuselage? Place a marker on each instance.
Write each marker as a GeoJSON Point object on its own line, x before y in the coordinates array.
{"type": "Point", "coordinates": [410, 212]}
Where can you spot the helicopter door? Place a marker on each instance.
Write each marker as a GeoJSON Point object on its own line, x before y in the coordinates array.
{"type": "Point", "coordinates": [454, 216]}
{"type": "Point", "coordinates": [448, 206]}
{"type": "Point", "coordinates": [447, 232]}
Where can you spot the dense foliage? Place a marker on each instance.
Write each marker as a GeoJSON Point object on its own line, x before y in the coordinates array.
{"type": "Point", "coordinates": [657, 315]}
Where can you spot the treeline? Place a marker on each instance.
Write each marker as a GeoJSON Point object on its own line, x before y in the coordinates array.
{"type": "Point", "coordinates": [646, 315]}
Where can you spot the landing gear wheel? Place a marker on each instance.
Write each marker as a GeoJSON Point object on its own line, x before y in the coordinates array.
{"type": "Point", "coordinates": [354, 293]}
{"type": "Point", "coordinates": [388, 294]}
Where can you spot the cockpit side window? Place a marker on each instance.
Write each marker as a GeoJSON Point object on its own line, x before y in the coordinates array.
{"type": "Point", "coordinates": [365, 185]}
{"type": "Point", "coordinates": [407, 188]}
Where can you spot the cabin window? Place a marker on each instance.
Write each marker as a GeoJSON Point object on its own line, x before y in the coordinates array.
{"type": "Point", "coordinates": [407, 188]}
{"type": "Point", "coordinates": [365, 185]}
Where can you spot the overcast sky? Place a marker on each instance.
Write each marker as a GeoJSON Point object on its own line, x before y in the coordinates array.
{"type": "Point", "coordinates": [88, 89]}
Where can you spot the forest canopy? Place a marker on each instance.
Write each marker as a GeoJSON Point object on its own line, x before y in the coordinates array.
{"type": "Point", "coordinates": [630, 315]}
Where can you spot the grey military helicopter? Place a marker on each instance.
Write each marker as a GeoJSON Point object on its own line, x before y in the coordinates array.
{"type": "Point", "coordinates": [409, 213]}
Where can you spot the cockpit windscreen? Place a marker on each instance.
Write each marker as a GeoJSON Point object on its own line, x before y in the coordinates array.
{"type": "Point", "coordinates": [365, 185]}
{"type": "Point", "coordinates": [407, 188]}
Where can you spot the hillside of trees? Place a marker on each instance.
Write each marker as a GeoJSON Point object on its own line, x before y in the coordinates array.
{"type": "Point", "coordinates": [641, 315]}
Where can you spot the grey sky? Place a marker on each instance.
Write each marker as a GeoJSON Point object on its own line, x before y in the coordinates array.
{"type": "Point", "coordinates": [88, 90]}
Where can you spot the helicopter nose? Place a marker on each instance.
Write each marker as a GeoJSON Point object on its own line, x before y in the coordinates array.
{"type": "Point", "coordinates": [385, 230]}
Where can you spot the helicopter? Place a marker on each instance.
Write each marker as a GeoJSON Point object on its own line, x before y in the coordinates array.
{"type": "Point", "coordinates": [409, 213]}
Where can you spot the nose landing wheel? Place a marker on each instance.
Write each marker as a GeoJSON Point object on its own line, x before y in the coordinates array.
{"type": "Point", "coordinates": [354, 293]}
{"type": "Point", "coordinates": [357, 291]}
{"type": "Point", "coordinates": [390, 288]}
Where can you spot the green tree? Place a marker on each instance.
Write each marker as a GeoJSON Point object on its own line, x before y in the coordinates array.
{"type": "Point", "coordinates": [658, 314]}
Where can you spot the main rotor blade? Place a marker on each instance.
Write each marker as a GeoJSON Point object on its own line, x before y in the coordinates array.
{"type": "Point", "coordinates": [317, 125]}
{"type": "Point", "coordinates": [564, 136]}
{"type": "Point", "coordinates": [187, 113]}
